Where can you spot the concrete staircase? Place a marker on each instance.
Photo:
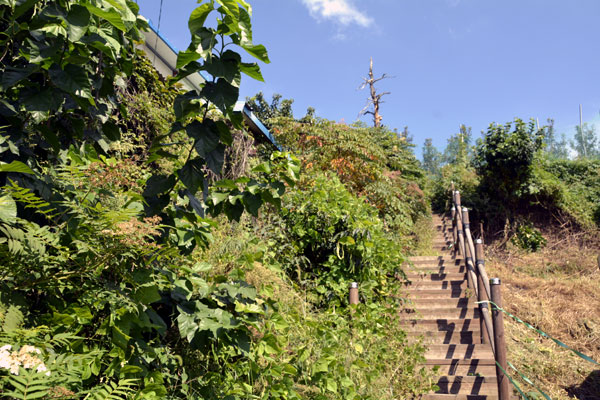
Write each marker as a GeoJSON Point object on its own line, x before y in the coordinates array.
{"type": "Point", "coordinates": [441, 310]}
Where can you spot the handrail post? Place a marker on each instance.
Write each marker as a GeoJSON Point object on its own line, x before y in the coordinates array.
{"type": "Point", "coordinates": [499, 340]}
{"type": "Point", "coordinates": [457, 200]}
{"type": "Point", "coordinates": [353, 298]}
{"type": "Point", "coordinates": [458, 222]}
{"type": "Point", "coordinates": [454, 238]}
{"type": "Point", "coordinates": [483, 297]}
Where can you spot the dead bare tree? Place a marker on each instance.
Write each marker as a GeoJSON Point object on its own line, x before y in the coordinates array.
{"type": "Point", "coordinates": [375, 99]}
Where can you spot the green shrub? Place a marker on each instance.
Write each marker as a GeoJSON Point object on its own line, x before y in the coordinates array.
{"type": "Point", "coordinates": [504, 162]}
{"type": "Point", "coordinates": [336, 238]}
{"type": "Point", "coordinates": [528, 238]}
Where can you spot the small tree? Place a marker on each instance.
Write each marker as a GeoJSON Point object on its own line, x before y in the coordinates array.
{"type": "Point", "coordinates": [504, 161]}
{"type": "Point", "coordinates": [585, 142]}
{"type": "Point", "coordinates": [375, 98]}
{"type": "Point", "coordinates": [458, 150]}
{"type": "Point", "coordinates": [431, 158]}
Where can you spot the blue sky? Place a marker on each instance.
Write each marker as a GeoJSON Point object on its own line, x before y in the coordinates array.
{"type": "Point", "coordinates": [453, 61]}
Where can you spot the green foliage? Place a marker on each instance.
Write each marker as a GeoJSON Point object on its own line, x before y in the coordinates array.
{"type": "Point", "coordinates": [431, 158]}
{"type": "Point", "coordinates": [265, 111]}
{"type": "Point", "coordinates": [586, 142]}
{"type": "Point", "coordinates": [569, 186]}
{"type": "Point", "coordinates": [61, 68]}
{"type": "Point", "coordinates": [465, 180]}
{"type": "Point", "coordinates": [371, 162]}
{"type": "Point", "coordinates": [459, 149]}
{"type": "Point", "coordinates": [336, 238]}
{"type": "Point", "coordinates": [528, 238]}
{"type": "Point", "coordinates": [504, 161]}
{"type": "Point", "coordinates": [554, 148]}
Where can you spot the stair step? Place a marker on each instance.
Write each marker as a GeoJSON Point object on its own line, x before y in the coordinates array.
{"type": "Point", "coordinates": [436, 260]}
{"type": "Point", "coordinates": [423, 303]}
{"type": "Point", "coordinates": [437, 276]}
{"type": "Point", "coordinates": [447, 293]}
{"type": "Point", "coordinates": [446, 284]}
{"type": "Point", "coordinates": [448, 337]}
{"type": "Point", "coordinates": [440, 313]}
{"type": "Point", "coordinates": [473, 385]}
{"type": "Point", "coordinates": [459, 351]}
{"type": "Point", "coordinates": [440, 396]}
{"type": "Point", "coordinates": [452, 269]}
{"type": "Point", "coordinates": [443, 324]}
{"type": "Point", "coordinates": [485, 367]}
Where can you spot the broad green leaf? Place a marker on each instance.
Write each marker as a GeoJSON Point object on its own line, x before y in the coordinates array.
{"type": "Point", "coordinates": [218, 197]}
{"type": "Point", "coordinates": [246, 5]}
{"type": "Point", "coordinates": [73, 79]}
{"type": "Point", "coordinates": [44, 101]}
{"type": "Point", "coordinates": [195, 203]}
{"type": "Point", "coordinates": [123, 9]}
{"type": "Point", "coordinates": [56, 30]}
{"type": "Point", "coordinates": [347, 240]}
{"type": "Point", "coordinates": [206, 135]}
{"type": "Point", "coordinates": [331, 385]}
{"type": "Point", "coordinates": [159, 184]}
{"type": "Point", "coordinates": [215, 159]}
{"type": "Point", "coordinates": [259, 51]}
{"type": "Point", "coordinates": [245, 24]}
{"type": "Point", "coordinates": [187, 324]}
{"type": "Point", "coordinates": [252, 70]}
{"type": "Point", "coordinates": [252, 202]}
{"type": "Point", "coordinates": [231, 8]}
{"type": "Point", "coordinates": [8, 209]}
{"type": "Point", "coordinates": [191, 174]}
{"type": "Point", "coordinates": [227, 66]}
{"type": "Point", "coordinates": [15, 166]}
{"type": "Point", "coordinates": [11, 76]}
{"type": "Point", "coordinates": [147, 294]}
{"type": "Point", "coordinates": [198, 17]}
{"type": "Point", "coordinates": [186, 57]}
{"type": "Point", "coordinates": [222, 94]}
{"type": "Point", "coordinates": [131, 369]}
{"type": "Point", "coordinates": [187, 105]}
{"type": "Point", "coordinates": [203, 41]}
{"type": "Point", "coordinates": [111, 15]}
{"type": "Point", "coordinates": [22, 7]}
{"type": "Point", "coordinates": [111, 130]}
{"type": "Point", "coordinates": [78, 20]}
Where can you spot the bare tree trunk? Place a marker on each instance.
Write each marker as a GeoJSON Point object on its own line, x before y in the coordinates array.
{"type": "Point", "coordinates": [375, 99]}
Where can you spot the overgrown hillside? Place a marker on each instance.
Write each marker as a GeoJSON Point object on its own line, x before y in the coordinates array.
{"type": "Point", "coordinates": [148, 249]}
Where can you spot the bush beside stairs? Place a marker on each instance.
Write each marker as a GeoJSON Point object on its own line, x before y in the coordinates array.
{"type": "Point", "coordinates": [441, 310]}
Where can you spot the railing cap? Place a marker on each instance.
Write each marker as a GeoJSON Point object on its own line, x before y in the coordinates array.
{"type": "Point", "coordinates": [465, 209]}
{"type": "Point", "coordinates": [495, 281]}
{"type": "Point", "coordinates": [354, 285]}
{"type": "Point", "coordinates": [478, 241]}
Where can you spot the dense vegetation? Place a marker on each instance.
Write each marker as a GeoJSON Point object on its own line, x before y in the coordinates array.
{"type": "Point", "coordinates": [514, 176]}
{"type": "Point", "coordinates": [149, 250]}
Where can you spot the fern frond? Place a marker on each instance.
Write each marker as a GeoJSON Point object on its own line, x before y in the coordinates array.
{"type": "Point", "coordinates": [29, 385]}
{"type": "Point", "coordinates": [30, 200]}
{"type": "Point", "coordinates": [13, 319]}
{"type": "Point", "coordinates": [112, 390]}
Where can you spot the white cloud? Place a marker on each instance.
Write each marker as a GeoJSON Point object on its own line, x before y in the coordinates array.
{"type": "Point", "coordinates": [342, 11]}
